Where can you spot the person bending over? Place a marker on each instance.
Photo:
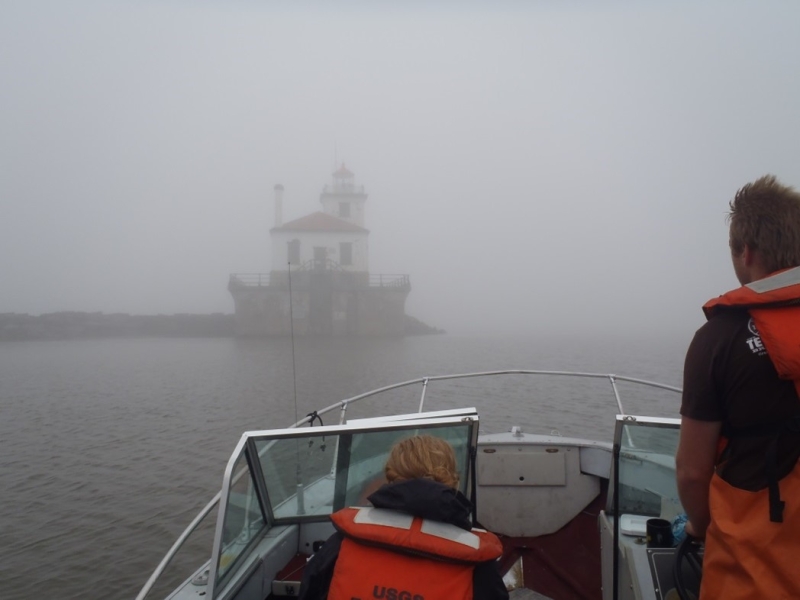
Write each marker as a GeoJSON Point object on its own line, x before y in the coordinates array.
{"type": "Point", "coordinates": [415, 542]}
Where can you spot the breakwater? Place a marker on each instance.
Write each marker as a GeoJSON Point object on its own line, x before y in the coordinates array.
{"type": "Point", "coordinates": [77, 325]}
{"type": "Point", "coordinates": [84, 325]}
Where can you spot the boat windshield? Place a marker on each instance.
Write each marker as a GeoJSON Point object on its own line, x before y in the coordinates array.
{"type": "Point", "coordinates": [243, 518]}
{"type": "Point", "coordinates": [646, 467]}
{"type": "Point", "coordinates": [290, 476]}
{"type": "Point", "coordinates": [315, 475]}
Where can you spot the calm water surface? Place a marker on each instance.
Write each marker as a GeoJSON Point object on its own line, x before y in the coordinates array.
{"type": "Point", "coordinates": [109, 448]}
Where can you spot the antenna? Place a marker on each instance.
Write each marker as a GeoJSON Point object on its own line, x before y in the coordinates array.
{"type": "Point", "coordinates": [301, 505]}
{"type": "Point", "coordinates": [291, 332]}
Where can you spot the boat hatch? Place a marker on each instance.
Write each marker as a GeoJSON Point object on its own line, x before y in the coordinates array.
{"type": "Point", "coordinates": [644, 487]}
{"type": "Point", "coordinates": [285, 477]}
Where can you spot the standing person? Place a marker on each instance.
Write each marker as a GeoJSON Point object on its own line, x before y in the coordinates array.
{"type": "Point", "coordinates": [737, 459]}
{"type": "Point", "coordinates": [417, 541]}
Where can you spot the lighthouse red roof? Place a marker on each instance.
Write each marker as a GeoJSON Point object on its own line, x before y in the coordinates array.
{"type": "Point", "coordinates": [320, 221]}
{"type": "Point", "coordinates": [343, 172]}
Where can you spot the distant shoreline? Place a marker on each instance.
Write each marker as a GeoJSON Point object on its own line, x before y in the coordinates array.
{"type": "Point", "coordinates": [86, 325]}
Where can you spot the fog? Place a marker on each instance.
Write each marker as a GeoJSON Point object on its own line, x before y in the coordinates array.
{"type": "Point", "coordinates": [535, 167]}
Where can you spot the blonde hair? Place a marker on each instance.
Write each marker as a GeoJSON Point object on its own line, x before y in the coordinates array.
{"type": "Point", "coordinates": [422, 456]}
{"type": "Point", "coordinates": [765, 215]}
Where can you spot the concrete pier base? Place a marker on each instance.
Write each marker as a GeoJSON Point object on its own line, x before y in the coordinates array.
{"type": "Point", "coordinates": [323, 302]}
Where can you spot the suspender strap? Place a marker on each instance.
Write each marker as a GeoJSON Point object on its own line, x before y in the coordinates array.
{"type": "Point", "coordinates": [473, 459]}
{"type": "Point", "coordinates": [774, 431]}
{"type": "Point", "coordinates": [771, 465]}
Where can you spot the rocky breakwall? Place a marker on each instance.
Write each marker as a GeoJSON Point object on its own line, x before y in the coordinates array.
{"type": "Point", "coordinates": [77, 325]}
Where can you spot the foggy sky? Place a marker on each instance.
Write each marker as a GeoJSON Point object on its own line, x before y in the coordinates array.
{"type": "Point", "coordinates": [534, 166]}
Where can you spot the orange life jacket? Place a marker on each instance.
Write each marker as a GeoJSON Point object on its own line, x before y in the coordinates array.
{"type": "Point", "coordinates": [391, 555]}
{"type": "Point", "coordinates": [774, 305]}
{"type": "Point", "coordinates": [753, 539]}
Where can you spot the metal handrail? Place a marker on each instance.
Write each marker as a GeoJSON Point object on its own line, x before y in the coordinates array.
{"type": "Point", "coordinates": [249, 279]}
{"type": "Point", "coordinates": [384, 280]}
{"type": "Point", "coordinates": [177, 546]}
{"type": "Point", "coordinates": [240, 280]}
{"type": "Point", "coordinates": [343, 404]}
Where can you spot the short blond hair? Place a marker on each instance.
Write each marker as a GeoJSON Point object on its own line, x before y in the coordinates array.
{"type": "Point", "coordinates": [422, 456]}
{"type": "Point", "coordinates": [765, 215]}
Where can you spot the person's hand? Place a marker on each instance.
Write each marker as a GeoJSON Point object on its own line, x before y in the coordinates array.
{"type": "Point", "coordinates": [692, 531]}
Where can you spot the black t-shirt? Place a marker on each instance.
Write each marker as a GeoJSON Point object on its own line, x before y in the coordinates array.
{"type": "Point", "coordinates": [729, 377]}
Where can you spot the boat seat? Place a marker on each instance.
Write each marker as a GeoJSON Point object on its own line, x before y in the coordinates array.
{"type": "Point", "coordinates": [287, 581]}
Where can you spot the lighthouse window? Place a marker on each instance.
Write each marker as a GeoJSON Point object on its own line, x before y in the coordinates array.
{"type": "Point", "coordinates": [294, 252]}
{"type": "Point", "coordinates": [344, 209]}
{"type": "Point", "coordinates": [345, 253]}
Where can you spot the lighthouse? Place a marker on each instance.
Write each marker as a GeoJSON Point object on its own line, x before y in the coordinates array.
{"type": "Point", "coordinates": [320, 281]}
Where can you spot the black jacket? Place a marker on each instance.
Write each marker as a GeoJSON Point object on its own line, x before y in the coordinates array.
{"type": "Point", "coordinates": [422, 498]}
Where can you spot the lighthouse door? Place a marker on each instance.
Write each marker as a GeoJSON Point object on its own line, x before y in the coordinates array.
{"type": "Point", "coordinates": [320, 256]}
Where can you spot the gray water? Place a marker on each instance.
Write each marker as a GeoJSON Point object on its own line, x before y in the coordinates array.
{"type": "Point", "coordinates": [108, 448]}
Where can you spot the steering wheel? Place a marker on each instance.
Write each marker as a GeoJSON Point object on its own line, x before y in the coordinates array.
{"type": "Point", "coordinates": [688, 553]}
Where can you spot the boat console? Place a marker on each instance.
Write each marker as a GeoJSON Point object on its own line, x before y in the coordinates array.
{"type": "Point", "coordinates": [643, 488]}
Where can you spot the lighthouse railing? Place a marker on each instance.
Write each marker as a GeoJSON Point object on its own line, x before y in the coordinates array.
{"type": "Point", "coordinates": [260, 280]}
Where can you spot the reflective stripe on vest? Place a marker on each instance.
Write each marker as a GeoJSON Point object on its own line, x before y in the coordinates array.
{"type": "Point", "coordinates": [781, 279]}
{"type": "Point", "coordinates": [779, 288]}
{"type": "Point", "coordinates": [395, 530]}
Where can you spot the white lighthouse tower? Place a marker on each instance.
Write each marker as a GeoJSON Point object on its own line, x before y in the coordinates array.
{"type": "Point", "coordinates": [343, 199]}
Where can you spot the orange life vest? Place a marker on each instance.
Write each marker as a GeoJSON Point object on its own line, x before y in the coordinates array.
{"type": "Point", "coordinates": [391, 555]}
{"type": "Point", "coordinates": [774, 305]}
{"type": "Point", "coordinates": [749, 553]}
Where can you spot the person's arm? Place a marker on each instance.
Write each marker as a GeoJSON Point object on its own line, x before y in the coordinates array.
{"type": "Point", "coordinates": [694, 464]}
{"type": "Point", "coordinates": [319, 570]}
